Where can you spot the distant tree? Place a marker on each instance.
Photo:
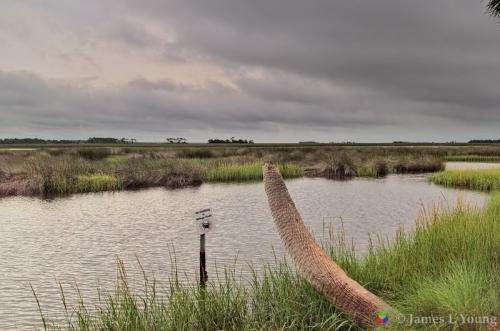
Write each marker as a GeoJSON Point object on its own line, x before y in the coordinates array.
{"type": "Point", "coordinates": [177, 140]}
{"type": "Point", "coordinates": [92, 140]}
{"type": "Point", "coordinates": [233, 140]}
{"type": "Point", "coordinates": [484, 141]}
{"type": "Point", "coordinates": [12, 141]}
{"type": "Point", "coordinates": [98, 140]}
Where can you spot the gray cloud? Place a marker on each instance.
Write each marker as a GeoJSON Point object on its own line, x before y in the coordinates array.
{"type": "Point", "coordinates": [326, 70]}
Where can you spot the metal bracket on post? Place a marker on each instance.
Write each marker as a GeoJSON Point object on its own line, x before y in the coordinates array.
{"type": "Point", "coordinates": [205, 224]}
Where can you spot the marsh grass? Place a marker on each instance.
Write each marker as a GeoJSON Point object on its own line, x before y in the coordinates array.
{"type": "Point", "coordinates": [449, 266]}
{"type": "Point", "coordinates": [251, 171]}
{"type": "Point", "coordinates": [476, 179]}
{"type": "Point", "coordinates": [56, 170]}
{"type": "Point", "coordinates": [276, 299]}
{"type": "Point", "coordinates": [116, 158]}
{"type": "Point", "coordinates": [97, 182]}
{"type": "Point", "coordinates": [473, 158]}
{"type": "Point", "coordinates": [417, 164]}
{"type": "Point", "coordinates": [374, 168]}
{"type": "Point", "coordinates": [94, 153]}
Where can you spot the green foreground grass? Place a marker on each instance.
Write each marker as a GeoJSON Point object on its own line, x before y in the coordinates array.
{"type": "Point", "coordinates": [476, 179]}
{"type": "Point", "coordinates": [448, 267]}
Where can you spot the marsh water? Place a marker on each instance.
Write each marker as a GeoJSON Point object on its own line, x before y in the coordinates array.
{"type": "Point", "coordinates": [75, 240]}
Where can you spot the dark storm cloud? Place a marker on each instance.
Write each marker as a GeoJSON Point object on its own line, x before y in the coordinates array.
{"type": "Point", "coordinates": [443, 51]}
{"type": "Point", "coordinates": [158, 105]}
{"type": "Point", "coordinates": [388, 68]}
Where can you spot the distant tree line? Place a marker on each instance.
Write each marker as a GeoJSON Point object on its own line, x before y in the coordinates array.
{"type": "Point", "coordinates": [98, 140]}
{"type": "Point", "coordinates": [12, 141]}
{"type": "Point", "coordinates": [233, 140]}
{"type": "Point", "coordinates": [92, 140]}
{"type": "Point", "coordinates": [484, 141]}
{"type": "Point", "coordinates": [177, 140]}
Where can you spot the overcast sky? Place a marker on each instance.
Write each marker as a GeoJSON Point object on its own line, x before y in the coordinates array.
{"type": "Point", "coordinates": [268, 70]}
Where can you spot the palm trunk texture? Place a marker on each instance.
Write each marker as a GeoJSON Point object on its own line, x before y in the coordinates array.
{"type": "Point", "coordinates": [312, 262]}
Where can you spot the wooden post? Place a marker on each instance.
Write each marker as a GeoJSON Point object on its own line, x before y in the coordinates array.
{"type": "Point", "coordinates": [203, 262]}
{"type": "Point", "coordinates": [204, 223]}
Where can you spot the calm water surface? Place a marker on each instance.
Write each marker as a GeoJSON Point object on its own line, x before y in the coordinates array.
{"type": "Point", "coordinates": [75, 240]}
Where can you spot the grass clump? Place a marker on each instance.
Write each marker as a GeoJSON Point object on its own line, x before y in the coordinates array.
{"type": "Point", "coordinates": [93, 153]}
{"type": "Point", "coordinates": [249, 171]}
{"type": "Point", "coordinates": [375, 168]}
{"type": "Point", "coordinates": [476, 179]}
{"type": "Point", "coordinates": [167, 172]}
{"type": "Point", "coordinates": [97, 182]}
{"type": "Point", "coordinates": [198, 153]}
{"type": "Point", "coordinates": [418, 164]}
{"type": "Point", "coordinates": [461, 293]}
{"type": "Point", "coordinates": [449, 266]}
{"type": "Point", "coordinates": [116, 158]}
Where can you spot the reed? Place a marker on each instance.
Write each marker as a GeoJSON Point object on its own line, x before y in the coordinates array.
{"type": "Point", "coordinates": [476, 179]}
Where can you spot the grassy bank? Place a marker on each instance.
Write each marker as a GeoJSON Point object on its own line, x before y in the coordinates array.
{"type": "Point", "coordinates": [50, 170]}
{"type": "Point", "coordinates": [42, 174]}
{"type": "Point", "coordinates": [476, 179]}
{"type": "Point", "coordinates": [449, 266]}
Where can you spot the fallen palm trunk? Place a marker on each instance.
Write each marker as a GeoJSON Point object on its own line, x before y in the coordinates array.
{"type": "Point", "coordinates": [312, 262]}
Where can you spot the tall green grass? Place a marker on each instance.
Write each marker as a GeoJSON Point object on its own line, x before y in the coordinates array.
{"type": "Point", "coordinates": [449, 266]}
{"type": "Point", "coordinates": [477, 179]}
{"type": "Point", "coordinates": [97, 182]}
{"type": "Point", "coordinates": [277, 299]}
{"type": "Point", "coordinates": [251, 171]}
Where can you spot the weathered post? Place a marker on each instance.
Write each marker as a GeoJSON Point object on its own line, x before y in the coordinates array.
{"type": "Point", "coordinates": [203, 262]}
{"type": "Point", "coordinates": [205, 224]}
